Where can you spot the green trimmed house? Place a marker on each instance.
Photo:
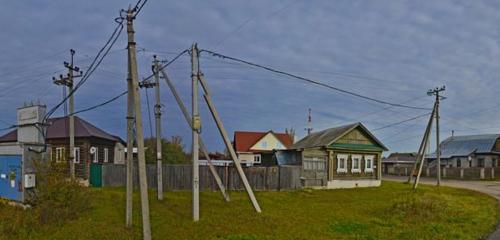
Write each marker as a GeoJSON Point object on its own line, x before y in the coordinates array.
{"type": "Point", "coordinates": [342, 157]}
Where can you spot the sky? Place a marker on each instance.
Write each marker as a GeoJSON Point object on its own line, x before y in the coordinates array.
{"type": "Point", "coordinates": [389, 50]}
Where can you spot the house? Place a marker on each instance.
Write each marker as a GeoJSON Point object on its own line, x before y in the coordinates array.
{"type": "Point", "coordinates": [468, 151]}
{"type": "Point", "coordinates": [399, 163]}
{"type": "Point", "coordinates": [92, 145]}
{"type": "Point", "coordinates": [341, 157]}
{"type": "Point", "coordinates": [257, 147]}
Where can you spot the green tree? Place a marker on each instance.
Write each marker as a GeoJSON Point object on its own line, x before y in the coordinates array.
{"type": "Point", "coordinates": [172, 150]}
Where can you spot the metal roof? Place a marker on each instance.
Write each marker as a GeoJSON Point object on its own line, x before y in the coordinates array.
{"type": "Point", "coordinates": [466, 145]}
{"type": "Point", "coordinates": [328, 136]}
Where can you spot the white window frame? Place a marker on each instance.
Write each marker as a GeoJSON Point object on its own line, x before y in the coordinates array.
{"type": "Point", "coordinates": [76, 155]}
{"type": "Point", "coordinates": [106, 155]}
{"type": "Point", "coordinates": [257, 159]}
{"type": "Point", "coordinates": [353, 168]}
{"type": "Point", "coordinates": [343, 158]}
{"type": "Point", "coordinates": [59, 154]}
{"type": "Point", "coordinates": [95, 158]}
{"type": "Point", "coordinates": [371, 158]}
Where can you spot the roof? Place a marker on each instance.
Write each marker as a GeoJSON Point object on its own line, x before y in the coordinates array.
{"type": "Point", "coordinates": [59, 128]}
{"type": "Point", "coordinates": [326, 137]}
{"type": "Point", "coordinates": [401, 158]}
{"type": "Point", "coordinates": [466, 145]}
{"type": "Point", "coordinates": [244, 140]}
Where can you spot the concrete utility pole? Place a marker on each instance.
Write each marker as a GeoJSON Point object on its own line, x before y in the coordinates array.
{"type": "Point", "coordinates": [159, 157]}
{"type": "Point", "coordinates": [436, 92]}
{"type": "Point", "coordinates": [68, 82]}
{"type": "Point", "coordinates": [203, 148]}
{"type": "Point", "coordinates": [423, 149]}
{"type": "Point", "coordinates": [134, 89]}
{"type": "Point", "coordinates": [195, 71]}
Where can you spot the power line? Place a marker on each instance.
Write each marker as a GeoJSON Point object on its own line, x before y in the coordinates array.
{"type": "Point", "coordinates": [400, 122]}
{"type": "Point", "coordinates": [313, 81]}
{"type": "Point", "coordinates": [101, 104]}
{"type": "Point", "coordinates": [167, 64]}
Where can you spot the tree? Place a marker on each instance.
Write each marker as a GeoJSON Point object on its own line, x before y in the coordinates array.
{"type": "Point", "coordinates": [291, 134]}
{"type": "Point", "coordinates": [172, 150]}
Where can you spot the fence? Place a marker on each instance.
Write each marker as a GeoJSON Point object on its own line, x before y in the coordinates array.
{"type": "Point", "coordinates": [179, 177]}
{"type": "Point", "coordinates": [456, 173]}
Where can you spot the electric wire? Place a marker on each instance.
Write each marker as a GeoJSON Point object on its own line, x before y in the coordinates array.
{"type": "Point", "coordinates": [215, 54]}
{"type": "Point", "coordinates": [167, 64]}
{"type": "Point", "coordinates": [401, 122]}
{"type": "Point", "coordinates": [100, 104]}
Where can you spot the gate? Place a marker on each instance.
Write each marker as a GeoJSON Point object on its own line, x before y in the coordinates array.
{"type": "Point", "coordinates": [96, 175]}
{"type": "Point", "coordinates": [10, 177]}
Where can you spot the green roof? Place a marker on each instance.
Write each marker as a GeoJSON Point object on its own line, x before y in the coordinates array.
{"type": "Point", "coordinates": [356, 146]}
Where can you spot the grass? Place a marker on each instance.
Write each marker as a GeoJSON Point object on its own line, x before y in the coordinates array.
{"type": "Point", "coordinates": [392, 211]}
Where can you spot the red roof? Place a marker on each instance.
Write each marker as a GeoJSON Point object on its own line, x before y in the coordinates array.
{"type": "Point", "coordinates": [243, 141]}
{"type": "Point", "coordinates": [59, 128]}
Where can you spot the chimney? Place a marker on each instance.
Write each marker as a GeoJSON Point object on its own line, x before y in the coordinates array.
{"type": "Point", "coordinates": [29, 117]}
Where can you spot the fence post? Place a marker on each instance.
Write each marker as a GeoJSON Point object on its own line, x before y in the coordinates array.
{"type": "Point", "coordinates": [427, 172]}
{"type": "Point", "coordinates": [444, 172]}
{"type": "Point", "coordinates": [481, 173]}
{"type": "Point", "coordinates": [461, 173]}
{"type": "Point", "coordinates": [492, 173]}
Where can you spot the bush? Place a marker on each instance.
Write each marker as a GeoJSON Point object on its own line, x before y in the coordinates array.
{"type": "Point", "coordinates": [57, 197]}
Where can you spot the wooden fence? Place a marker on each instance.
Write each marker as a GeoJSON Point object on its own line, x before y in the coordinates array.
{"type": "Point", "coordinates": [179, 177]}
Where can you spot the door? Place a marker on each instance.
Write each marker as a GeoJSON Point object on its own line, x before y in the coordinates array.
{"type": "Point", "coordinates": [10, 177]}
{"type": "Point", "coordinates": [96, 175]}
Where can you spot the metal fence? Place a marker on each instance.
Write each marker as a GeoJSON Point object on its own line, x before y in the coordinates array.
{"type": "Point", "coordinates": [179, 177]}
{"type": "Point", "coordinates": [473, 173]}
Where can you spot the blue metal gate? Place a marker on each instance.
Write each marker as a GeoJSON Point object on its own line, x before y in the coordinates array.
{"type": "Point", "coordinates": [10, 177]}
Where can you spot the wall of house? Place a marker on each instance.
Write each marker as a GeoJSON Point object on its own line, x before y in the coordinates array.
{"type": "Point", "coordinates": [463, 162]}
{"type": "Point", "coordinates": [336, 175]}
{"type": "Point", "coordinates": [246, 158]}
{"type": "Point", "coordinates": [268, 143]}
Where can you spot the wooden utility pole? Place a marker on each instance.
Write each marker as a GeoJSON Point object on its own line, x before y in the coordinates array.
{"type": "Point", "coordinates": [196, 123]}
{"type": "Point", "coordinates": [203, 148]}
{"type": "Point", "coordinates": [436, 92]}
{"type": "Point", "coordinates": [159, 165]}
{"type": "Point", "coordinates": [134, 89]}
{"type": "Point", "coordinates": [68, 82]}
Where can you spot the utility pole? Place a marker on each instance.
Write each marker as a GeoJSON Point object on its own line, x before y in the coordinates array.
{"type": "Point", "coordinates": [436, 92]}
{"type": "Point", "coordinates": [68, 82]}
{"type": "Point", "coordinates": [159, 165]}
{"type": "Point", "coordinates": [134, 91]}
{"type": "Point", "coordinates": [195, 71]}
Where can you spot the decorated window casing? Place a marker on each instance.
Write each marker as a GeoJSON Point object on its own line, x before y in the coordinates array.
{"type": "Point", "coordinates": [76, 154]}
{"type": "Point", "coordinates": [342, 163]}
{"type": "Point", "coordinates": [369, 163]}
{"type": "Point", "coordinates": [356, 163]}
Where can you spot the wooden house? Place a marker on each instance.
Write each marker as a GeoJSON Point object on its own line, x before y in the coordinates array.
{"type": "Point", "coordinates": [342, 157]}
{"type": "Point", "coordinates": [92, 144]}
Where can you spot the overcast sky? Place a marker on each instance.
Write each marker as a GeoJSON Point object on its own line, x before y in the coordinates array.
{"type": "Point", "coordinates": [390, 50]}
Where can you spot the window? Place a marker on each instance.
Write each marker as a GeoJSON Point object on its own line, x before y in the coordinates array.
{"type": "Point", "coordinates": [60, 154]}
{"type": "Point", "coordinates": [106, 155]}
{"type": "Point", "coordinates": [263, 144]}
{"type": "Point", "coordinates": [356, 162]}
{"type": "Point", "coordinates": [256, 158]}
{"type": "Point", "coordinates": [342, 163]}
{"type": "Point", "coordinates": [480, 162]}
{"type": "Point", "coordinates": [279, 145]}
{"type": "Point", "coordinates": [76, 154]}
{"type": "Point", "coordinates": [95, 156]}
{"type": "Point", "coordinates": [459, 162]}
{"type": "Point", "coordinates": [369, 163]}
{"type": "Point", "coordinates": [315, 163]}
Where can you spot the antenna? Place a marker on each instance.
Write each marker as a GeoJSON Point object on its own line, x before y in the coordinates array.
{"type": "Point", "coordinates": [309, 123]}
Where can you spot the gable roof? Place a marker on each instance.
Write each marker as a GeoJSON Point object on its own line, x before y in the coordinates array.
{"type": "Point", "coordinates": [244, 140]}
{"type": "Point", "coordinates": [400, 158]}
{"type": "Point", "coordinates": [326, 137]}
{"type": "Point", "coordinates": [59, 128]}
{"type": "Point", "coordinates": [466, 145]}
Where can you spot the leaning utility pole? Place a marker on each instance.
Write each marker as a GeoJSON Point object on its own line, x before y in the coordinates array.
{"type": "Point", "coordinates": [134, 91]}
{"type": "Point", "coordinates": [436, 92]}
{"type": "Point", "coordinates": [195, 71]}
{"type": "Point", "coordinates": [68, 82]}
{"type": "Point", "coordinates": [159, 165]}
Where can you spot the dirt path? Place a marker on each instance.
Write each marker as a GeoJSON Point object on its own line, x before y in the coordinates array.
{"type": "Point", "coordinates": [491, 188]}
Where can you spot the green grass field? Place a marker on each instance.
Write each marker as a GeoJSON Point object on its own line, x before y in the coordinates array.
{"type": "Point", "coordinates": [392, 211]}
